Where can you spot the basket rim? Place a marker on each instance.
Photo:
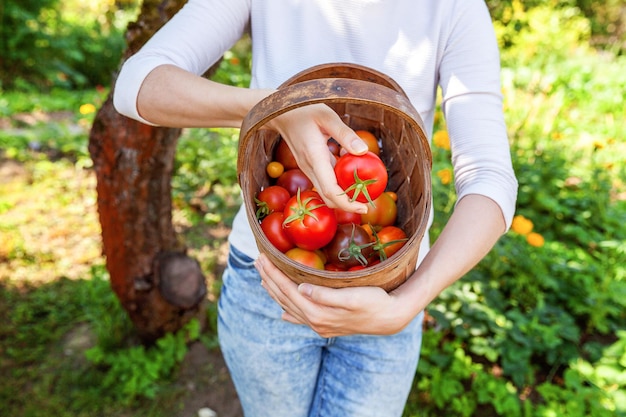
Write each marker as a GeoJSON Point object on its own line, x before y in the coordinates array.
{"type": "Point", "coordinates": [337, 68]}
{"type": "Point", "coordinates": [329, 90]}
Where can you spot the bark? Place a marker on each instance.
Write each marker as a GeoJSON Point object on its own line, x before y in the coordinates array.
{"type": "Point", "coordinates": [159, 286]}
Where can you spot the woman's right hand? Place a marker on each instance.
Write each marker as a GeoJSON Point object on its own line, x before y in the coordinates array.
{"type": "Point", "coordinates": [307, 130]}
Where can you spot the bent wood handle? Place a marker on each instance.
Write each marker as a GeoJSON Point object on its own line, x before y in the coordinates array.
{"type": "Point", "coordinates": [326, 91]}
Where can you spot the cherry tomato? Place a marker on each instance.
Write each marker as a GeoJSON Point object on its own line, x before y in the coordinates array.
{"type": "Point", "coordinates": [269, 199]}
{"type": "Point", "coordinates": [362, 177]}
{"type": "Point", "coordinates": [272, 226]}
{"type": "Point", "coordinates": [293, 180]}
{"type": "Point", "coordinates": [284, 156]}
{"type": "Point", "coordinates": [309, 222]}
{"type": "Point", "coordinates": [275, 169]}
{"type": "Point", "coordinates": [351, 246]}
{"type": "Point", "coordinates": [371, 140]}
{"type": "Point", "coordinates": [306, 257]}
{"type": "Point", "coordinates": [347, 217]}
{"type": "Point", "coordinates": [383, 212]}
{"type": "Point", "coordinates": [389, 240]}
{"type": "Point", "coordinates": [393, 195]}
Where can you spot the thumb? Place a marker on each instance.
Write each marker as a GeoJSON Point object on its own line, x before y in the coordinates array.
{"type": "Point", "coordinates": [329, 297]}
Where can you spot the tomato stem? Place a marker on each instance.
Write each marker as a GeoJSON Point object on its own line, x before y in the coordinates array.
{"type": "Point", "coordinates": [360, 186]}
{"type": "Point", "coordinates": [263, 208]}
{"type": "Point", "coordinates": [354, 251]}
{"type": "Point", "coordinates": [301, 211]}
{"type": "Point", "coordinates": [380, 246]}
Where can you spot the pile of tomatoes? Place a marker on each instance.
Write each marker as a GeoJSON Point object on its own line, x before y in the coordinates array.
{"type": "Point", "coordinates": [295, 219]}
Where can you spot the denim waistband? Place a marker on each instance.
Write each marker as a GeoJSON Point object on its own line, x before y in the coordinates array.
{"type": "Point", "coordinates": [238, 259]}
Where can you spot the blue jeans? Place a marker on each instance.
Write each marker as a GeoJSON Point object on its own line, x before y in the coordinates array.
{"type": "Point", "coordinates": [284, 370]}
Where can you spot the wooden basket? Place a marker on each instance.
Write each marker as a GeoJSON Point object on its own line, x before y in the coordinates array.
{"type": "Point", "coordinates": [365, 99]}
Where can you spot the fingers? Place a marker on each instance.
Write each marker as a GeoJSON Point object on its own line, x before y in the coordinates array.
{"type": "Point", "coordinates": [333, 195]}
{"type": "Point", "coordinates": [349, 299]}
{"type": "Point", "coordinates": [307, 130]}
{"type": "Point", "coordinates": [345, 136]}
{"type": "Point", "coordinates": [280, 288]}
{"type": "Point", "coordinates": [330, 311]}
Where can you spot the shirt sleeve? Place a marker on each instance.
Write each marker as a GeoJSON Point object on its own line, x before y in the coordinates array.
{"type": "Point", "coordinates": [194, 39]}
{"type": "Point", "coordinates": [469, 76]}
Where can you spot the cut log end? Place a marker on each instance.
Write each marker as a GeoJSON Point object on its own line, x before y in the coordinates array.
{"type": "Point", "coordinates": [180, 278]}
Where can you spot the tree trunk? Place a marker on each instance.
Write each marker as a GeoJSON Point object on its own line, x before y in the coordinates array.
{"type": "Point", "coordinates": [159, 286]}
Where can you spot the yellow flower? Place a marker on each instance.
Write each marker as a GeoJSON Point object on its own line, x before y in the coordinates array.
{"type": "Point", "coordinates": [521, 225]}
{"type": "Point", "coordinates": [442, 140]}
{"type": "Point", "coordinates": [535, 239]}
{"type": "Point", "coordinates": [87, 108]}
{"type": "Point", "coordinates": [438, 117]}
{"type": "Point", "coordinates": [445, 175]}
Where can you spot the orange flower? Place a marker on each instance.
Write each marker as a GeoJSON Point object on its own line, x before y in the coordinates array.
{"type": "Point", "coordinates": [535, 239]}
{"type": "Point", "coordinates": [445, 175]}
{"type": "Point", "coordinates": [521, 225]}
{"type": "Point", "coordinates": [442, 140]}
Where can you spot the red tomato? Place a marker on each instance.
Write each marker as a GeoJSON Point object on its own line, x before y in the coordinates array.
{"type": "Point", "coordinates": [389, 240]}
{"type": "Point", "coordinates": [333, 267]}
{"type": "Point", "coordinates": [362, 177]}
{"type": "Point", "coordinates": [294, 179]}
{"type": "Point", "coordinates": [309, 222]}
{"type": "Point", "coordinates": [306, 257]}
{"type": "Point", "coordinates": [310, 193]}
{"type": "Point", "coordinates": [371, 140]}
{"type": "Point", "coordinates": [383, 212]}
{"type": "Point", "coordinates": [357, 267]}
{"type": "Point", "coordinates": [270, 199]}
{"type": "Point", "coordinates": [351, 246]}
{"type": "Point", "coordinates": [371, 263]}
{"type": "Point", "coordinates": [347, 217]}
{"type": "Point", "coordinates": [283, 154]}
{"type": "Point", "coordinates": [272, 226]}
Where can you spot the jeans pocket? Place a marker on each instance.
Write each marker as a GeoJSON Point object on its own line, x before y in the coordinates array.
{"type": "Point", "coordinates": [239, 260]}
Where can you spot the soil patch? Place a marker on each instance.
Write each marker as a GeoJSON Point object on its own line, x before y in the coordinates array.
{"type": "Point", "coordinates": [208, 384]}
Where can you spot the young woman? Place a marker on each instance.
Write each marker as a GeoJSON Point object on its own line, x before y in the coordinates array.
{"type": "Point", "coordinates": [307, 350]}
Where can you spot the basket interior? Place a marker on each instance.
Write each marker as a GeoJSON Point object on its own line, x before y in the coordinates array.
{"type": "Point", "coordinates": [407, 162]}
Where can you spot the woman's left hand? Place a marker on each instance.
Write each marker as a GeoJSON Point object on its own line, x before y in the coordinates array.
{"type": "Point", "coordinates": [333, 312]}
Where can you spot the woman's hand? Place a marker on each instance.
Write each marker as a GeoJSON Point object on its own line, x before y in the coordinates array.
{"type": "Point", "coordinates": [333, 312]}
{"type": "Point", "coordinates": [472, 230]}
{"type": "Point", "coordinates": [307, 130]}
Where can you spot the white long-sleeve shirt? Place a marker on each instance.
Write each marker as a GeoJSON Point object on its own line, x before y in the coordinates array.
{"type": "Point", "coordinates": [421, 44]}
